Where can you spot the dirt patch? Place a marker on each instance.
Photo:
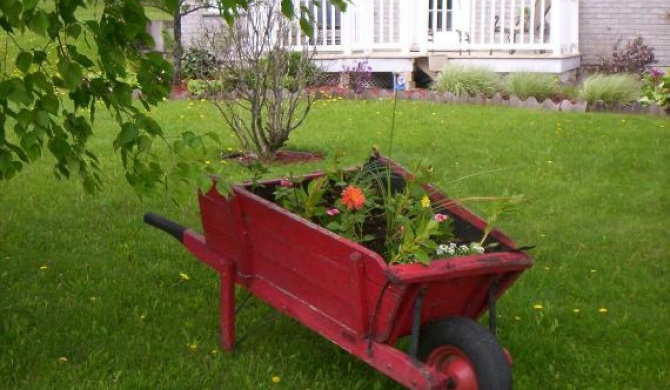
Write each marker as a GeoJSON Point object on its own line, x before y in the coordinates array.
{"type": "Point", "coordinates": [283, 157]}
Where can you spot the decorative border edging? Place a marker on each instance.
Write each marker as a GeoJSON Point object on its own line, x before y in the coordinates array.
{"type": "Point", "coordinates": [499, 100]}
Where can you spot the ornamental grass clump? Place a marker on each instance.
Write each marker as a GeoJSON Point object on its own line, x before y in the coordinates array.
{"type": "Point", "coordinates": [467, 80]}
{"type": "Point", "coordinates": [613, 88]}
{"type": "Point", "coordinates": [526, 84]}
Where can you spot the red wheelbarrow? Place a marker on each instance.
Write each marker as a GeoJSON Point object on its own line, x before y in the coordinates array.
{"type": "Point", "coordinates": [351, 296]}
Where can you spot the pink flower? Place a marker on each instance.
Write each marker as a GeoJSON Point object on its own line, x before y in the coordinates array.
{"type": "Point", "coordinates": [332, 212]}
{"type": "Point", "coordinates": [441, 217]}
{"type": "Point", "coordinates": [286, 183]}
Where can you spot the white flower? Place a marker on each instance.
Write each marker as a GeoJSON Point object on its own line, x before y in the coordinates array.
{"type": "Point", "coordinates": [446, 249]}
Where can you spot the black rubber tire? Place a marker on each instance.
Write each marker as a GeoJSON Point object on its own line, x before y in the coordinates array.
{"type": "Point", "coordinates": [486, 356]}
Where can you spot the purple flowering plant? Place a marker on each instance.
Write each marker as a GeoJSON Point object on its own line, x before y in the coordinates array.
{"type": "Point", "coordinates": [656, 88]}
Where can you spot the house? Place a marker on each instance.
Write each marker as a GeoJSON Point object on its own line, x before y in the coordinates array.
{"type": "Point", "coordinates": [406, 36]}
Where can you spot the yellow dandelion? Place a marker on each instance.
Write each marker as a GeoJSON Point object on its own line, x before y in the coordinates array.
{"type": "Point", "coordinates": [547, 268]}
{"type": "Point", "coordinates": [62, 359]}
{"type": "Point", "coordinates": [215, 351]}
{"type": "Point", "coordinates": [43, 267]}
{"type": "Point", "coordinates": [602, 310]}
{"type": "Point", "coordinates": [276, 379]}
{"type": "Point", "coordinates": [517, 318]}
{"type": "Point", "coordinates": [425, 201]}
{"type": "Point", "coordinates": [538, 306]}
{"type": "Point", "coordinates": [593, 271]}
{"type": "Point", "coordinates": [184, 276]}
{"type": "Point", "coordinates": [193, 346]}
{"type": "Point", "coordinates": [143, 317]}
{"type": "Point", "coordinates": [576, 310]}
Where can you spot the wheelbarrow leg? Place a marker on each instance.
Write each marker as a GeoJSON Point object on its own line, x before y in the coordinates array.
{"type": "Point", "coordinates": [228, 306]}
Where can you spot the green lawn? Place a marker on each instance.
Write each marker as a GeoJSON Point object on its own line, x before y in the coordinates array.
{"type": "Point", "coordinates": [90, 297]}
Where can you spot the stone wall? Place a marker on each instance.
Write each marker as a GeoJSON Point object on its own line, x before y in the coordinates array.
{"type": "Point", "coordinates": [604, 22]}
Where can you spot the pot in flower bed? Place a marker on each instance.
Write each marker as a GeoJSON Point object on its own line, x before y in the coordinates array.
{"type": "Point", "coordinates": [348, 291]}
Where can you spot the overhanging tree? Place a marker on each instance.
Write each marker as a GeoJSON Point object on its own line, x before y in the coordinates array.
{"type": "Point", "coordinates": [51, 103]}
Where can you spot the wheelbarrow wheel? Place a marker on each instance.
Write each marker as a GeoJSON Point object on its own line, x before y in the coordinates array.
{"type": "Point", "coordinates": [467, 353]}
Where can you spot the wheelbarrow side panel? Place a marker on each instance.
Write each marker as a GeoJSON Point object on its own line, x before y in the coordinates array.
{"type": "Point", "coordinates": [337, 277]}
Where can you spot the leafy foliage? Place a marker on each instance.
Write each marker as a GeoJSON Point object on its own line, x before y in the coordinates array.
{"type": "Point", "coordinates": [198, 63]}
{"type": "Point", "coordinates": [633, 57]}
{"type": "Point", "coordinates": [51, 99]}
{"type": "Point", "coordinates": [656, 88]}
{"type": "Point", "coordinates": [49, 103]}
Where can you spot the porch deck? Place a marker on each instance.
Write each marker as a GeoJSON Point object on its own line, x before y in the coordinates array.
{"type": "Point", "coordinates": [396, 35]}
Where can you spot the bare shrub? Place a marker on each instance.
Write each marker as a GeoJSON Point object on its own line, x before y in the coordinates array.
{"type": "Point", "coordinates": [260, 86]}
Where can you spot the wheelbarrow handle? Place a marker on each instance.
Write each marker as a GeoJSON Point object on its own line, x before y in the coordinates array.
{"type": "Point", "coordinates": [171, 227]}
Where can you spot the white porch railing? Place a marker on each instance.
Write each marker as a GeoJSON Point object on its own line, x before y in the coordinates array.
{"type": "Point", "coordinates": [549, 26]}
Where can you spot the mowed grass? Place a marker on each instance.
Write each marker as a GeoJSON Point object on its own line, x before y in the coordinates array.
{"type": "Point", "coordinates": [92, 298]}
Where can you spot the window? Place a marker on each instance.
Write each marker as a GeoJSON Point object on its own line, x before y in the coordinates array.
{"type": "Point", "coordinates": [440, 14]}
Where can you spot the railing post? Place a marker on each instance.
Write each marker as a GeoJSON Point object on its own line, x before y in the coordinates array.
{"type": "Point", "coordinates": [404, 19]}
{"type": "Point", "coordinates": [421, 25]}
{"type": "Point", "coordinates": [556, 26]}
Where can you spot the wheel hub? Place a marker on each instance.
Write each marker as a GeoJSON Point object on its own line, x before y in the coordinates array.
{"type": "Point", "coordinates": [453, 363]}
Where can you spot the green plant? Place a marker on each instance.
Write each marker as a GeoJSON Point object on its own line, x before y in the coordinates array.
{"type": "Point", "coordinates": [267, 80]}
{"type": "Point", "coordinates": [198, 63]}
{"type": "Point", "coordinates": [613, 88]}
{"type": "Point", "coordinates": [359, 75]}
{"type": "Point", "coordinates": [656, 87]}
{"type": "Point", "coordinates": [526, 84]}
{"type": "Point", "coordinates": [467, 80]}
{"type": "Point", "coordinates": [372, 206]}
{"type": "Point", "coordinates": [634, 57]}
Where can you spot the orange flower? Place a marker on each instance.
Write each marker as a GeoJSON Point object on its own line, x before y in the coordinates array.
{"type": "Point", "coordinates": [353, 198]}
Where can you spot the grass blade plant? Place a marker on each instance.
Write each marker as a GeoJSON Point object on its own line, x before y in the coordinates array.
{"type": "Point", "coordinates": [623, 88]}
{"type": "Point", "coordinates": [526, 84]}
{"type": "Point", "coordinates": [467, 80]}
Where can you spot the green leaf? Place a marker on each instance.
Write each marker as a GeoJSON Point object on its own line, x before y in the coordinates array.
{"type": "Point", "coordinates": [287, 8]}
{"type": "Point", "coordinates": [39, 56]}
{"type": "Point", "coordinates": [73, 30]}
{"type": "Point", "coordinates": [422, 257]}
{"type": "Point", "coordinates": [50, 103]}
{"type": "Point", "coordinates": [126, 136]}
{"type": "Point", "coordinates": [144, 143]}
{"type": "Point", "coordinates": [39, 23]}
{"type": "Point", "coordinates": [306, 26]}
{"type": "Point", "coordinates": [29, 4]}
{"type": "Point", "coordinates": [70, 72]}
{"type": "Point", "coordinates": [24, 60]}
